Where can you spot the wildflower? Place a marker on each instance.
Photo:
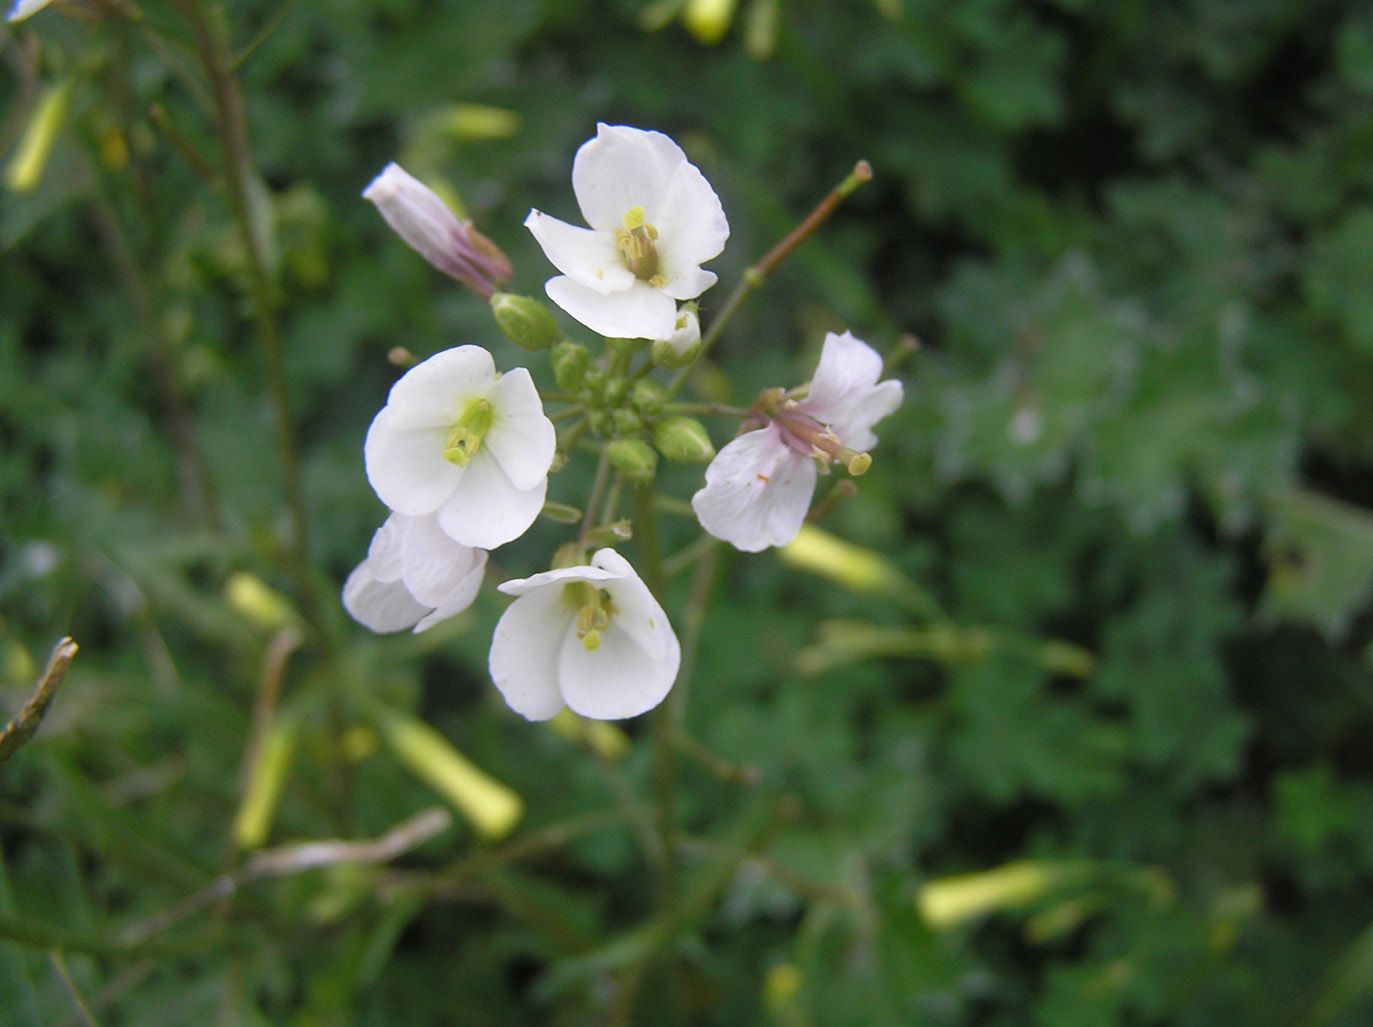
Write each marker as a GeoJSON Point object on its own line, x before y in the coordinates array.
{"type": "Point", "coordinates": [592, 638]}
{"type": "Point", "coordinates": [414, 576]}
{"type": "Point", "coordinates": [758, 488]}
{"type": "Point", "coordinates": [654, 218]}
{"type": "Point", "coordinates": [458, 440]}
{"type": "Point", "coordinates": [426, 224]}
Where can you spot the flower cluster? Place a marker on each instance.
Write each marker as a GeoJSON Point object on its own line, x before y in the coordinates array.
{"type": "Point", "coordinates": [461, 454]}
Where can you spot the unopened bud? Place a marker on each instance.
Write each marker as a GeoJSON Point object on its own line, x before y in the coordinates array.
{"type": "Point", "coordinates": [570, 361]}
{"type": "Point", "coordinates": [423, 220]}
{"type": "Point", "coordinates": [625, 422]}
{"type": "Point", "coordinates": [647, 397]}
{"type": "Point", "coordinates": [525, 321]}
{"type": "Point", "coordinates": [681, 347]}
{"type": "Point", "coordinates": [683, 440]}
{"type": "Point", "coordinates": [634, 458]}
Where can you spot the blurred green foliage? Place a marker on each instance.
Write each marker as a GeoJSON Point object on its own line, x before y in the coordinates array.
{"type": "Point", "coordinates": [1136, 242]}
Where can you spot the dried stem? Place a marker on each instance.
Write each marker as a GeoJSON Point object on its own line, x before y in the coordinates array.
{"type": "Point", "coordinates": [21, 728]}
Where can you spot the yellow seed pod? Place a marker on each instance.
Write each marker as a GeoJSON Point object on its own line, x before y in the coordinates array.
{"type": "Point", "coordinates": [30, 157]}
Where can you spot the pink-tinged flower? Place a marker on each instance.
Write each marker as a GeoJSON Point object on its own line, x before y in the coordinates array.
{"type": "Point", "coordinates": [458, 440]}
{"type": "Point", "coordinates": [433, 231]}
{"type": "Point", "coordinates": [592, 638]}
{"type": "Point", "coordinates": [654, 219]}
{"type": "Point", "coordinates": [758, 488]}
{"type": "Point", "coordinates": [414, 576]}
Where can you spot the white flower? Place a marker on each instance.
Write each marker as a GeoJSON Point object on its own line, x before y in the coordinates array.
{"type": "Point", "coordinates": [414, 576]}
{"type": "Point", "coordinates": [592, 638]}
{"type": "Point", "coordinates": [458, 440]}
{"type": "Point", "coordinates": [424, 221]}
{"type": "Point", "coordinates": [22, 9]}
{"type": "Point", "coordinates": [758, 488]}
{"type": "Point", "coordinates": [654, 218]}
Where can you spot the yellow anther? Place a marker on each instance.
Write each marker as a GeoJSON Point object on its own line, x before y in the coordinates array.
{"type": "Point", "coordinates": [859, 464]}
{"type": "Point", "coordinates": [594, 611]}
{"type": "Point", "coordinates": [635, 242]}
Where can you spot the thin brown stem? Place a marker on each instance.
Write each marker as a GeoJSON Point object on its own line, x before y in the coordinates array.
{"type": "Point", "coordinates": [21, 728]}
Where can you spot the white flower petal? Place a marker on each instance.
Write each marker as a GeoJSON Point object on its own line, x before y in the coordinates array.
{"type": "Point", "coordinates": [406, 466]}
{"type": "Point", "coordinates": [688, 283]}
{"type": "Point", "coordinates": [26, 9]}
{"type": "Point", "coordinates": [619, 679]}
{"type": "Point", "coordinates": [439, 572]}
{"type": "Point", "coordinates": [521, 438]}
{"type": "Point", "coordinates": [637, 610]}
{"type": "Point", "coordinates": [384, 551]}
{"type": "Point", "coordinates": [486, 510]}
{"type": "Point", "coordinates": [435, 391]}
{"type": "Point", "coordinates": [589, 257]}
{"type": "Point", "coordinates": [525, 649]}
{"type": "Point", "coordinates": [523, 586]}
{"type": "Point", "coordinates": [848, 370]}
{"type": "Point", "coordinates": [640, 312]}
{"type": "Point", "coordinates": [383, 606]}
{"type": "Point", "coordinates": [620, 169]}
{"type": "Point", "coordinates": [757, 492]}
{"type": "Point", "coordinates": [856, 432]}
{"type": "Point", "coordinates": [691, 223]}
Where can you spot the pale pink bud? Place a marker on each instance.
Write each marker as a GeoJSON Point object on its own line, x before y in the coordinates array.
{"type": "Point", "coordinates": [424, 221]}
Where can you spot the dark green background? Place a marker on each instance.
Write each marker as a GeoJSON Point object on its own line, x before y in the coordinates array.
{"type": "Point", "coordinates": [1136, 242]}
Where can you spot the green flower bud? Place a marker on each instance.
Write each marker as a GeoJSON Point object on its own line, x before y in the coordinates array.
{"type": "Point", "coordinates": [685, 343]}
{"type": "Point", "coordinates": [625, 422]}
{"type": "Point", "coordinates": [683, 440]}
{"type": "Point", "coordinates": [525, 321]}
{"type": "Point", "coordinates": [634, 458]}
{"type": "Point", "coordinates": [647, 397]}
{"type": "Point", "coordinates": [615, 392]}
{"type": "Point", "coordinates": [570, 361]}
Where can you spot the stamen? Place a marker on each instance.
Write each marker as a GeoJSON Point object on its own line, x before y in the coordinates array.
{"type": "Point", "coordinates": [467, 435]}
{"type": "Point", "coordinates": [635, 242]}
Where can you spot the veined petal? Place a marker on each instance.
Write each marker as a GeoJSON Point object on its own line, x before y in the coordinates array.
{"type": "Point", "coordinates": [486, 510]}
{"type": "Point", "coordinates": [620, 169]}
{"type": "Point", "coordinates": [383, 606]}
{"type": "Point", "coordinates": [691, 223]}
{"type": "Point", "coordinates": [884, 399]}
{"type": "Point", "coordinates": [439, 572]}
{"type": "Point", "coordinates": [434, 391]}
{"type": "Point", "coordinates": [847, 372]}
{"type": "Point", "coordinates": [589, 257]}
{"type": "Point", "coordinates": [639, 312]}
{"type": "Point", "coordinates": [406, 465]}
{"type": "Point", "coordinates": [521, 438]}
{"type": "Point", "coordinates": [757, 491]}
{"type": "Point", "coordinates": [525, 649]}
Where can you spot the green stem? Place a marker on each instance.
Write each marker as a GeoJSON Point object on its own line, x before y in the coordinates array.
{"type": "Point", "coordinates": [216, 54]}
{"type": "Point", "coordinates": [757, 274]}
